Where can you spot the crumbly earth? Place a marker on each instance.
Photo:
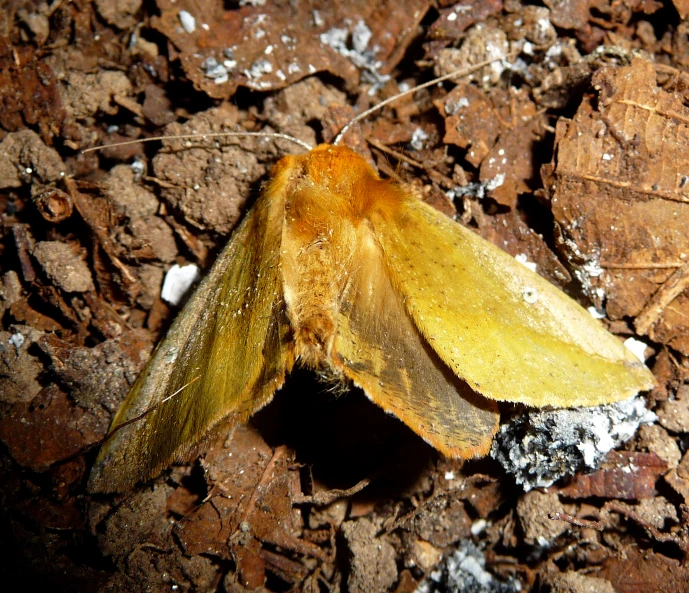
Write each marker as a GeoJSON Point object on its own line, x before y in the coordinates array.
{"type": "Point", "coordinates": [568, 152]}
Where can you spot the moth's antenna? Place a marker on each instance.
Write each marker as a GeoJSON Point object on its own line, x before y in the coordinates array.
{"type": "Point", "coordinates": [456, 73]}
{"type": "Point", "coordinates": [201, 136]}
{"type": "Point", "coordinates": [146, 412]}
{"type": "Point", "coordinates": [114, 431]}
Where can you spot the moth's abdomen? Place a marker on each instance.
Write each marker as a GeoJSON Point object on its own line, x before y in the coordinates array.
{"type": "Point", "coordinates": [317, 249]}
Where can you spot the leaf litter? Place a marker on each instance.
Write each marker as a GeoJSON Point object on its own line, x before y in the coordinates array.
{"type": "Point", "coordinates": [572, 157]}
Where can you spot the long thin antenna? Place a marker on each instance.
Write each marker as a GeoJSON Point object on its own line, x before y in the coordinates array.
{"type": "Point", "coordinates": [201, 136]}
{"type": "Point", "coordinates": [119, 427]}
{"type": "Point", "coordinates": [146, 412]}
{"type": "Point", "coordinates": [457, 73]}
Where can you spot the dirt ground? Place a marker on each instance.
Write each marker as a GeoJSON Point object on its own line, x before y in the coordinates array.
{"type": "Point", "coordinates": [570, 152]}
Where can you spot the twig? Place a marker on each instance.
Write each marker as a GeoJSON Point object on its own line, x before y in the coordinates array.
{"type": "Point", "coordinates": [668, 292]}
{"type": "Point", "coordinates": [330, 496]}
{"type": "Point", "coordinates": [681, 540]}
{"type": "Point", "coordinates": [572, 520]}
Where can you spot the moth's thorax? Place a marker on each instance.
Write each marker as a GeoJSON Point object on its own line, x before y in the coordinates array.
{"type": "Point", "coordinates": [317, 252]}
{"type": "Point", "coordinates": [330, 195]}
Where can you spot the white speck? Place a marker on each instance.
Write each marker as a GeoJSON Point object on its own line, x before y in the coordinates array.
{"type": "Point", "coordinates": [312, 69]}
{"type": "Point", "coordinates": [589, 451]}
{"type": "Point", "coordinates": [530, 295]}
{"type": "Point", "coordinates": [205, 27]}
{"type": "Point", "coordinates": [478, 526]}
{"type": "Point", "coordinates": [418, 139]}
{"type": "Point", "coordinates": [359, 53]}
{"type": "Point", "coordinates": [637, 347]}
{"type": "Point", "coordinates": [452, 16]}
{"type": "Point", "coordinates": [607, 157]}
{"type": "Point", "coordinates": [543, 25]}
{"type": "Point", "coordinates": [593, 269]}
{"type": "Point", "coordinates": [177, 281]}
{"type": "Point", "coordinates": [138, 167]}
{"type": "Point", "coordinates": [281, 75]}
{"type": "Point", "coordinates": [187, 21]}
{"type": "Point", "coordinates": [361, 36]}
{"type": "Point", "coordinates": [475, 189]}
{"type": "Point", "coordinates": [268, 50]}
{"type": "Point", "coordinates": [452, 107]}
{"type": "Point", "coordinates": [17, 340]}
{"type": "Point", "coordinates": [28, 170]}
{"type": "Point", "coordinates": [473, 567]}
{"type": "Point", "coordinates": [293, 68]}
{"type": "Point", "coordinates": [523, 259]}
{"type": "Point", "coordinates": [230, 64]}
{"type": "Point", "coordinates": [215, 71]}
{"type": "Point", "coordinates": [317, 19]}
{"type": "Point", "coordinates": [259, 68]}
{"type": "Point", "coordinates": [596, 313]}
{"type": "Point", "coordinates": [449, 476]}
{"type": "Point", "coordinates": [496, 182]}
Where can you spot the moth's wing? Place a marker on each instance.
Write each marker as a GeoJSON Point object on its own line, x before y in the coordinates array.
{"type": "Point", "coordinates": [378, 347]}
{"type": "Point", "coordinates": [223, 358]}
{"type": "Point", "coordinates": [505, 330]}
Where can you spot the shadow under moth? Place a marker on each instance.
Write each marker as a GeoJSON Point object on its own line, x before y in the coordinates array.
{"type": "Point", "coordinates": [338, 270]}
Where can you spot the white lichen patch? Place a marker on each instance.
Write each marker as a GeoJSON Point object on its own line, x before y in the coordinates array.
{"type": "Point", "coordinates": [539, 448]}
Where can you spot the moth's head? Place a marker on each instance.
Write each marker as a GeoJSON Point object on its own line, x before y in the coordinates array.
{"type": "Point", "coordinates": [337, 179]}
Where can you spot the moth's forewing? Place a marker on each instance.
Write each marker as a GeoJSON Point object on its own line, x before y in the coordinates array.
{"type": "Point", "coordinates": [382, 352]}
{"type": "Point", "coordinates": [505, 330]}
{"type": "Point", "coordinates": [225, 355]}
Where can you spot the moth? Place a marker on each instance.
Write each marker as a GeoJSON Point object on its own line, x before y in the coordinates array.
{"type": "Point", "coordinates": [340, 271]}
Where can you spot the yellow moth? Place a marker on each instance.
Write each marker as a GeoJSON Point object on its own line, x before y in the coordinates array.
{"type": "Point", "coordinates": [340, 271]}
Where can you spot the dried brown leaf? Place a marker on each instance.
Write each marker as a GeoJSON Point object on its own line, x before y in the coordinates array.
{"type": "Point", "coordinates": [624, 475]}
{"type": "Point", "coordinates": [620, 195]}
{"type": "Point", "coordinates": [269, 46]}
{"type": "Point", "coordinates": [471, 122]}
{"type": "Point", "coordinates": [638, 570]}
